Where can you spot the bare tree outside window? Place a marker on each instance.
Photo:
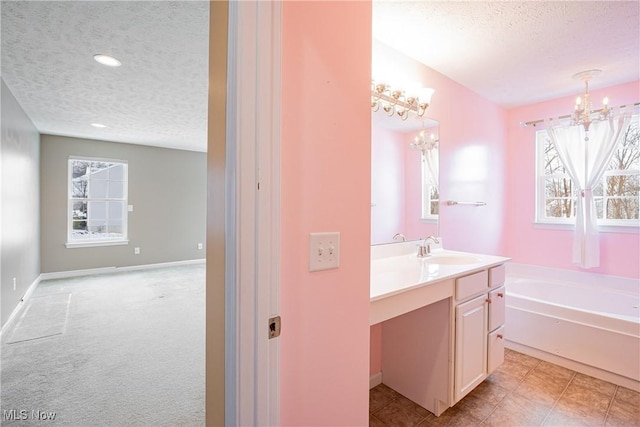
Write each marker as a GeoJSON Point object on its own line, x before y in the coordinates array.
{"type": "Point", "coordinates": [617, 195]}
{"type": "Point", "coordinates": [97, 200]}
{"type": "Point", "coordinates": [621, 184]}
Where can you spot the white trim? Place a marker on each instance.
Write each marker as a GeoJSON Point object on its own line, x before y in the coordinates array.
{"type": "Point", "coordinates": [20, 305]}
{"type": "Point", "coordinates": [231, 356]}
{"type": "Point", "coordinates": [253, 151]}
{"type": "Point", "coordinates": [375, 379]}
{"type": "Point", "coordinates": [95, 243]}
{"type": "Point", "coordinates": [574, 365]}
{"type": "Point", "coordinates": [106, 270]}
{"type": "Point", "coordinates": [73, 243]}
{"type": "Point", "coordinates": [268, 209]}
{"type": "Point", "coordinates": [622, 229]}
{"type": "Point", "coordinates": [97, 159]}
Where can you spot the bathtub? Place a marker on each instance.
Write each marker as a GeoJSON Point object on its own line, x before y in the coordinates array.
{"type": "Point", "coordinates": [586, 322]}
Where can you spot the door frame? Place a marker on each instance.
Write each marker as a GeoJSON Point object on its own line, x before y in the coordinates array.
{"type": "Point", "coordinates": [251, 200]}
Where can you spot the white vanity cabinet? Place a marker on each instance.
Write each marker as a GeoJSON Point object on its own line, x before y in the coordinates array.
{"type": "Point", "coordinates": [471, 345]}
{"type": "Point", "coordinates": [479, 322]}
{"type": "Point", "coordinates": [441, 335]}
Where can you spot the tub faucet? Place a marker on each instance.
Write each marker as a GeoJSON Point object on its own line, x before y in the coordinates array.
{"type": "Point", "coordinates": [424, 250]}
{"type": "Point", "coordinates": [399, 236]}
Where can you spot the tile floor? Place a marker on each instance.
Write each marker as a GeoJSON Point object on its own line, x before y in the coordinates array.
{"type": "Point", "coordinates": [524, 391]}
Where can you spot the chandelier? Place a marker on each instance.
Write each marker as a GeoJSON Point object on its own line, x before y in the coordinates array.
{"type": "Point", "coordinates": [396, 101]}
{"type": "Point", "coordinates": [424, 143]}
{"type": "Point", "coordinates": [583, 113]}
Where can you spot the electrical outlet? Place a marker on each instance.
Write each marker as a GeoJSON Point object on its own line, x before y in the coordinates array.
{"type": "Point", "coordinates": [15, 283]}
{"type": "Point", "coordinates": [324, 251]}
{"type": "Point", "coordinates": [199, 245]}
{"type": "Point", "coordinates": [136, 251]}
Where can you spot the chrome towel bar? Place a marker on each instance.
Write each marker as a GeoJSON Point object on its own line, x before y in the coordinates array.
{"type": "Point", "coordinates": [453, 202]}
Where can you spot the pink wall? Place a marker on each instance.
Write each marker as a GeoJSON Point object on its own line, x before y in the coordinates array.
{"type": "Point", "coordinates": [326, 178]}
{"type": "Point", "coordinates": [375, 356]}
{"type": "Point", "coordinates": [472, 155]}
{"type": "Point", "coordinates": [531, 244]}
{"type": "Point", "coordinates": [387, 185]}
{"type": "Point", "coordinates": [396, 187]}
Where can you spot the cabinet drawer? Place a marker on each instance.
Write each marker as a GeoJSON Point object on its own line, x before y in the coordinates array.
{"type": "Point", "coordinates": [496, 308]}
{"type": "Point", "coordinates": [495, 349]}
{"type": "Point", "coordinates": [471, 285]}
{"type": "Point", "coordinates": [497, 275]}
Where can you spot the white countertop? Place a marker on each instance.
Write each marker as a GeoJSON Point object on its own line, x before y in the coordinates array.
{"type": "Point", "coordinates": [392, 275]}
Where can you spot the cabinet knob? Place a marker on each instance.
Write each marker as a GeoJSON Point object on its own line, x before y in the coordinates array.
{"type": "Point", "coordinates": [499, 336]}
{"type": "Point", "coordinates": [488, 300]}
{"type": "Point", "coordinates": [500, 294]}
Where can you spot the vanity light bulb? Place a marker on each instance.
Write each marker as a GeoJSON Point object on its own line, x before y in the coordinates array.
{"type": "Point", "coordinates": [605, 101]}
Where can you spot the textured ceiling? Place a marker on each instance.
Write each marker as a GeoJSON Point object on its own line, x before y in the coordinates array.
{"type": "Point", "coordinates": [516, 53]}
{"type": "Point", "coordinates": [512, 53]}
{"type": "Point", "coordinates": [157, 97]}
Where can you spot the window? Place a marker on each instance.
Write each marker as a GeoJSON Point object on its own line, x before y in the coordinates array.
{"type": "Point", "coordinates": [616, 197]}
{"type": "Point", "coordinates": [97, 202]}
{"type": "Point", "coordinates": [430, 195]}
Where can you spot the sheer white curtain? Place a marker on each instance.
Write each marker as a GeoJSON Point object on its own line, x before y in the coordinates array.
{"type": "Point", "coordinates": [585, 155]}
{"type": "Point", "coordinates": [430, 157]}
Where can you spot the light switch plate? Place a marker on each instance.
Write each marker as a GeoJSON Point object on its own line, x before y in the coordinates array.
{"type": "Point", "coordinates": [324, 251]}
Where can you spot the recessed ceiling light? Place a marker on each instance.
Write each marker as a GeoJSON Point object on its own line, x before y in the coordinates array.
{"type": "Point", "coordinates": [98, 125]}
{"type": "Point", "coordinates": [107, 60]}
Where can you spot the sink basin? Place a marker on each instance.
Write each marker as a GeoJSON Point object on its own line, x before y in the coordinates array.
{"type": "Point", "coordinates": [452, 259]}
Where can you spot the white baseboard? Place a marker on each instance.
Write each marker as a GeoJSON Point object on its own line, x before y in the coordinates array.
{"type": "Point", "coordinates": [105, 270]}
{"type": "Point", "coordinates": [20, 305]}
{"type": "Point", "coordinates": [375, 380]}
{"type": "Point", "coordinates": [592, 371]}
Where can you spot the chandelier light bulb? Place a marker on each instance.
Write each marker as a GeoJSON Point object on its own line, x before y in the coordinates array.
{"type": "Point", "coordinates": [583, 115]}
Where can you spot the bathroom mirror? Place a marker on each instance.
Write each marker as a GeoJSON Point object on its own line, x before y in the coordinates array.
{"type": "Point", "coordinates": [400, 203]}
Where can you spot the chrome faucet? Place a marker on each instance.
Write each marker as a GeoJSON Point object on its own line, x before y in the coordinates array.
{"type": "Point", "coordinates": [399, 235]}
{"type": "Point", "coordinates": [424, 250]}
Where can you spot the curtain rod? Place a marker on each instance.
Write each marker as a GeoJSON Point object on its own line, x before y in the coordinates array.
{"type": "Point", "coordinates": [567, 116]}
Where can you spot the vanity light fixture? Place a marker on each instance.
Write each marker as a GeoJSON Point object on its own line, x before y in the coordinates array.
{"type": "Point", "coordinates": [107, 60]}
{"type": "Point", "coordinates": [582, 114]}
{"type": "Point", "coordinates": [396, 101]}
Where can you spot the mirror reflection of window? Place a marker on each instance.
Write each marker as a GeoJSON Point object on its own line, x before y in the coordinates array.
{"type": "Point", "coordinates": [404, 182]}
{"type": "Point", "coordinates": [430, 173]}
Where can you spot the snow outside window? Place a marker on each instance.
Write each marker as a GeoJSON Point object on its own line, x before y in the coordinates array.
{"type": "Point", "coordinates": [97, 202]}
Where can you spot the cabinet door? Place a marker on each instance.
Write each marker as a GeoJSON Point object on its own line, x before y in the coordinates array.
{"type": "Point", "coordinates": [496, 349]}
{"type": "Point", "coordinates": [471, 345]}
{"type": "Point", "coordinates": [496, 308]}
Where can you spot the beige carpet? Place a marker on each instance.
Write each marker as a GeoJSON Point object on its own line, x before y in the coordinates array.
{"type": "Point", "coordinates": [130, 352]}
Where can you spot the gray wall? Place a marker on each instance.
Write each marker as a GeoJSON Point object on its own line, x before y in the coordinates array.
{"type": "Point", "coordinates": [20, 225]}
{"type": "Point", "coordinates": [167, 189]}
